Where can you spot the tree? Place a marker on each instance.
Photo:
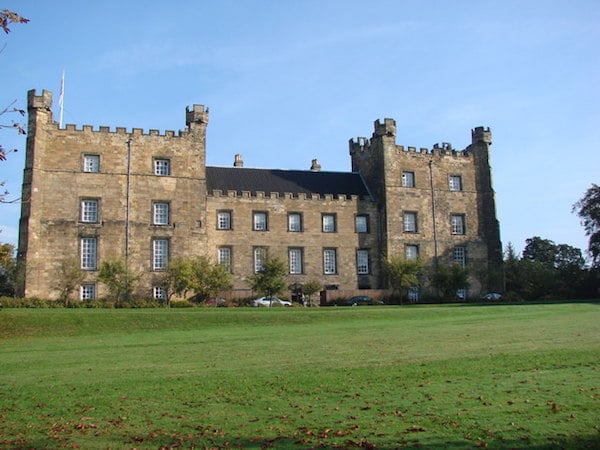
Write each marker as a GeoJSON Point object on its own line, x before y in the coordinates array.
{"type": "Point", "coordinates": [540, 250]}
{"type": "Point", "coordinates": [270, 279]}
{"type": "Point", "coordinates": [207, 279]}
{"type": "Point", "coordinates": [402, 274]}
{"type": "Point", "coordinates": [177, 278]}
{"type": "Point", "coordinates": [119, 280]}
{"type": "Point", "coordinates": [8, 269]}
{"type": "Point", "coordinates": [588, 210]}
{"type": "Point", "coordinates": [450, 279]}
{"type": "Point", "coordinates": [310, 288]}
{"type": "Point", "coordinates": [6, 18]}
{"type": "Point", "coordinates": [70, 277]}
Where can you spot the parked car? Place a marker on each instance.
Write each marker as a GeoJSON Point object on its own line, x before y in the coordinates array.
{"type": "Point", "coordinates": [270, 301]}
{"type": "Point", "coordinates": [493, 296]}
{"type": "Point", "coordinates": [359, 300]}
{"type": "Point", "coordinates": [215, 302]}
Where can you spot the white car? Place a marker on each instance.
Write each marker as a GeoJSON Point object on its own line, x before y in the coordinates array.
{"type": "Point", "coordinates": [493, 296]}
{"type": "Point", "coordinates": [270, 301]}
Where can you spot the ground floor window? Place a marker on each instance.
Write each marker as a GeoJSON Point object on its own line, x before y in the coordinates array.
{"type": "Point", "coordinates": [87, 292]}
{"type": "Point", "coordinates": [159, 293]}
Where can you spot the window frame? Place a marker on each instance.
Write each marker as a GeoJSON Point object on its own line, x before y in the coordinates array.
{"type": "Point", "coordinates": [85, 211]}
{"type": "Point", "coordinates": [406, 224]}
{"type": "Point", "coordinates": [226, 213]}
{"type": "Point", "coordinates": [89, 168]}
{"type": "Point", "coordinates": [407, 254]}
{"type": "Point", "coordinates": [260, 225]}
{"type": "Point", "coordinates": [359, 229]}
{"type": "Point", "coordinates": [299, 224]}
{"type": "Point", "coordinates": [160, 256]}
{"type": "Point", "coordinates": [458, 224]}
{"type": "Point", "coordinates": [155, 215]}
{"type": "Point", "coordinates": [259, 256]}
{"type": "Point", "coordinates": [225, 262]}
{"type": "Point", "coordinates": [159, 293]}
{"type": "Point", "coordinates": [363, 253]}
{"type": "Point", "coordinates": [330, 262]}
{"type": "Point", "coordinates": [453, 180]}
{"type": "Point", "coordinates": [161, 167]}
{"type": "Point", "coordinates": [459, 255]}
{"type": "Point", "coordinates": [324, 226]}
{"type": "Point", "coordinates": [408, 179]}
{"type": "Point", "coordinates": [88, 253]}
{"type": "Point", "coordinates": [295, 263]}
{"type": "Point", "coordinates": [90, 288]}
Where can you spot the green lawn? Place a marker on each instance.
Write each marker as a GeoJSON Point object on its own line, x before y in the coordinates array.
{"type": "Point", "coordinates": [498, 376]}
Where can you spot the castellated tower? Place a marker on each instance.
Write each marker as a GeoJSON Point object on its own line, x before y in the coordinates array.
{"type": "Point", "coordinates": [97, 194]}
{"type": "Point", "coordinates": [434, 204]}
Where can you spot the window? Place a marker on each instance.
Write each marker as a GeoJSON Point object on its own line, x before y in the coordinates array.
{"type": "Point", "coordinates": [411, 252]}
{"type": "Point", "coordinates": [413, 294]}
{"type": "Point", "coordinates": [224, 220]}
{"type": "Point", "coordinates": [89, 251]}
{"type": "Point", "coordinates": [224, 257]}
{"type": "Point", "coordinates": [160, 213]}
{"type": "Point", "coordinates": [295, 258]}
{"type": "Point", "coordinates": [162, 167]}
{"type": "Point", "coordinates": [89, 210]}
{"type": "Point", "coordinates": [362, 262]}
{"type": "Point", "coordinates": [457, 222]}
{"type": "Point", "coordinates": [459, 256]}
{"type": "Point", "coordinates": [295, 222]}
{"type": "Point", "coordinates": [455, 182]}
{"type": "Point", "coordinates": [159, 293]}
{"type": "Point", "coordinates": [259, 221]}
{"type": "Point", "coordinates": [328, 223]}
{"type": "Point", "coordinates": [87, 292]}
{"type": "Point", "coordinates": [91, 163]}
{"type": "Point", "coordinates": [329, 261]}
{"type": "Point", "coordinates": [408, 179]}
{"type": "Point", "coordinates": [361, 224]}
{"type": "Point", "coordinates": [160, 254]}
{"type": "Point", "coordinates": [260, 255]}
{"type": "Point", "coordinates": [410, 222]}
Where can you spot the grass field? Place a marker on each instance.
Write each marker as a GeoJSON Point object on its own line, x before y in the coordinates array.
{"type": "Point", "coordinates": [501, 376]}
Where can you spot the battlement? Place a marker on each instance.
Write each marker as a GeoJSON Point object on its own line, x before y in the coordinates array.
{"type": "Point", "coordinates": [197, 114]}
{"type": "Point", "coordinates": [362, 146]}
{"type": "Point", "coordinates": [387, 128]}
{"type": "Point", "coordinates": [481, 134]}
{"type": "Point", "coordinates": [288, 196]}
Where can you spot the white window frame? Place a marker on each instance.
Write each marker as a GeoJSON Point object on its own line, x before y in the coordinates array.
{"type": "Point", "coordinates": [411, 252]}
{"type": "Point", "coordinates": [409, 220]}
{"type": "Point", "coordinates": [159, 293]}
{"type": "Point", "coordinates": [91, 163]}
{"type": "Point", "coordinates": [328, 222]}
{"type": "Point", "coordinates": [224, 257]}
{"type": "Point", "coordinates": [295, 222]}
{"type": "Point", "coordinates": [260, 221]}
{"type": "Point", "coordinates": [361, 223]}
{"type": "Point", "coordinates": [161, 213]}
{"type": "Point", "coordinates": [89, 253]}
{"type": "Point", "coordinates": [224, 221]}
{"type": "Point", "coordinates": [329, 261]}
{"type": "Point", "coordinates": [457, 224]}
{"type": "Point", "coordinates": [455, 183]}
{"type": "Point", "coordinates": [87, 291]}
{"type": "Point", "coordinates": [160, 254]}
{"type": "Point", "coordinates": [90, 211]}
{"type": "Point", "coordinates": [408, 179]}
{"type": "Point", "coordinates": [162, 167]}
{"type": "Point", "coordinates": [295, 260]}
{"type": "Point", "coordinates": [413, 294]}
{"type": "Point", "coordinates": [459, 256]}
{"type": "Point", "coordinates": [362, 261]}
{"type": "Point", "coordinates": [259, 255]}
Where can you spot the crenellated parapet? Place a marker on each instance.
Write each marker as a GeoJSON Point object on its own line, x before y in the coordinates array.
{"type": "Point", "coordinates": [300, 196]}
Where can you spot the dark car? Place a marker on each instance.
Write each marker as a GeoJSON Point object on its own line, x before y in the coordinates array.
{"type": "Point", "coordinates": [358, 300]}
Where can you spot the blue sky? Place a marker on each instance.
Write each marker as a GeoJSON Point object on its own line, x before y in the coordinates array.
{"type": "Point", "coordinates": [288, 81]}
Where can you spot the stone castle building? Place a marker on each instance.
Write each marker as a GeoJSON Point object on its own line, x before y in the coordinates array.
{"type": "Point", "coordinates": [147, 198]}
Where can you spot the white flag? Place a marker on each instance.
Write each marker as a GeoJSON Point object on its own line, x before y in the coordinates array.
{"type": "Point", "coordinates": [61, 99]}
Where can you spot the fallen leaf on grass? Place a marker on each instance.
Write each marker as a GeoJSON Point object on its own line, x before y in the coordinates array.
{"type": "Point", "coordinates": [415, 429]}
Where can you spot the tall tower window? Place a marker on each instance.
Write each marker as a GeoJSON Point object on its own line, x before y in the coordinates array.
{"type": "Point", "coordinates": [162, 167]}
{"type": "Point", "coordinates": [260, 256]}
{"type": "Point", "coordinates": [160, 254]}
{"type": "Point", "coordinates": [89, 210]}
{"type": "Point", "coordinates": [295, 259]}
{"type": "Point", "coordinates": [160, 213]}
{"type": "Point", "coordinates": [224, 257]}
{"type": "Point", "coordinates": [408, 179]}
{"type": "Point", "coordinates": [91, 163]}
{"type": "Point", "coordinates": [329, 261]}
{"type": "Point", "coordinates": [361, 223]}
{"type": "Point", "coordinates": [457, 223]}
{"type": "Point", "coordinates": [362, 262]}
{"type": "Point", "coordinates": [455, 183]}
{"type": "Point", "coordinates": [410, 222]}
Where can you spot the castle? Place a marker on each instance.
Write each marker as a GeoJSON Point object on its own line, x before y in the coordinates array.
{"type": "Point", "coordinates": [148, 197]}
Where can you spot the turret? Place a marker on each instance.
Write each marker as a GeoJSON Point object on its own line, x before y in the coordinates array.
{"type": "Point", "coordinates": [481, 134]}
{"type": "Point", "coordinates": [197, 115]}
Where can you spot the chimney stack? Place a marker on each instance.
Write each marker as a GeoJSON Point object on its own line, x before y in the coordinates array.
{"type": "Point", "coordinates": [238, 161]}
{"type": "Point", "coordinates": [315, 166]}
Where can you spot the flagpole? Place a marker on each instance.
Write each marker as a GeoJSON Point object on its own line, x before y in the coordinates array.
{"type": "Point", "coordinates": [61, 99]}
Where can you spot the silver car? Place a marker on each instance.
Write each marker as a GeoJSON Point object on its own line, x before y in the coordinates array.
{"type": "Point", "coordinates": [270, 301]}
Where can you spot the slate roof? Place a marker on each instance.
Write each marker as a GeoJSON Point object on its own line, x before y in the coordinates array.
{"type": "Point", "coordinates": [275, 180]}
